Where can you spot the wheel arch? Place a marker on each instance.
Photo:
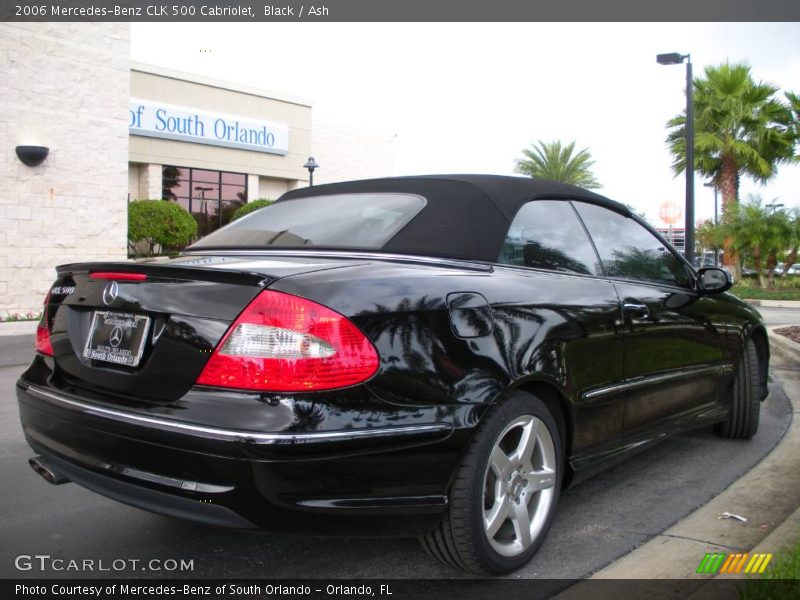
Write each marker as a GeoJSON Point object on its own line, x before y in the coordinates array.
{"type": "Point", "coordinates": [558, 405]}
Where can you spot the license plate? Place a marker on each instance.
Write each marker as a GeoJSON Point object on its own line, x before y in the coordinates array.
{"type": "Point", "coordinates": [117, 338]}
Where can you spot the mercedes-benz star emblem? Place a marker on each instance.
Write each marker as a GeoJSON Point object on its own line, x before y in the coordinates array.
{"type": "Point", "coordinates": [110, 293]}
{"type": "Point", "coordinates": [116, 336]}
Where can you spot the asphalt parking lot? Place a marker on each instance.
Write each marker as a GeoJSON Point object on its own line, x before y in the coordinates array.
{"type": "Point", "coordinates": [598, 520]}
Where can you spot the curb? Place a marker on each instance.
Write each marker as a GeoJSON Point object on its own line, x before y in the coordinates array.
{"type": "Point", "coordinates": [768, 495]}
{"type": "Point", "coordinates": [782, 345]}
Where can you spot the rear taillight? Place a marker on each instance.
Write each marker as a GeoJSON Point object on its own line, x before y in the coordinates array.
{"type": "Point", "coordinates": [43, 345]}
{"type": "Point", "coordinates": [284, 343]}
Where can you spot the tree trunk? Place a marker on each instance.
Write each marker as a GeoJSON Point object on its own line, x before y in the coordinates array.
{"type": "Point", "coordinates": [762, 280]}
{"type": "Point", "coordinates": [727, 182]}
{"type": "Point", "coordinates": [772, 261]}
{"type": "Point", "coordinates": [791, 258]}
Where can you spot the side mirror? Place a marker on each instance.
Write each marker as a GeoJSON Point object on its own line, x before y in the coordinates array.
{"type": "Point", "coordinates": [713, 280]}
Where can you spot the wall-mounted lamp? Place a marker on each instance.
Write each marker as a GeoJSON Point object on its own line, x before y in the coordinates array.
{"type": "Point", "coordinates": [311, 165]}
{"type": "Point", "coordinates": [32, 156]}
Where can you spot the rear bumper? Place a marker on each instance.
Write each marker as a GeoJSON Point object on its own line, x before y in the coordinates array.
{"type": "Point", "coordinates": [170, 426]}
{"type": "Point", "coordinates": [329, 481]}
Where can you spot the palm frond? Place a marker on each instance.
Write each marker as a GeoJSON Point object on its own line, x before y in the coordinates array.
{"type": "Point", "coordinates": [557, 162]}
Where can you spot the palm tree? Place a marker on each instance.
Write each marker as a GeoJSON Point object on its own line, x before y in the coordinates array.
{"type": "Point", "coordinates": [557, 163]}
{"type": "Point", "coordinates": [794, 106]}
{"type": "Point", "coordinates": [761, 232]}
{"type": "Point", "coordinates": [741, 128]}
{"type": "Point", "coordinates": [794, 240]}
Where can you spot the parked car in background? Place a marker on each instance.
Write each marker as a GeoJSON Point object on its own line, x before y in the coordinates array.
{"type": "Point", "coordinates": [748, 272]}
{"type": "Point", "coordinates": [703, 261]}
{"type": "Point", "coordinates": [435, 356]}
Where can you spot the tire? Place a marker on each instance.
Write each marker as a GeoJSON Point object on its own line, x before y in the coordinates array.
{"type": "Point", "coordinates": [742, 422]}
{"type": "Point", "coordinates": [495, 477]}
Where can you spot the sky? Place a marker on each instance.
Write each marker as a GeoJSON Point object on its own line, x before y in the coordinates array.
{"type": "Point", "coordinates": [468, 97]}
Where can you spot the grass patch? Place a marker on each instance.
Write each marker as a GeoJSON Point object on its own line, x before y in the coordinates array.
{"type": "Point", "coordinates": [754, 293]}
{"type": "Point", "coordinates": [783, 290]}
{"type": "Point", "coordinates": [785, 564]}
{"type": "Point", "coordinates": [781, 580]}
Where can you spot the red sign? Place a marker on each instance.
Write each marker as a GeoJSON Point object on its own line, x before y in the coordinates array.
{"type": "Point", "coordinates": [670, 213]}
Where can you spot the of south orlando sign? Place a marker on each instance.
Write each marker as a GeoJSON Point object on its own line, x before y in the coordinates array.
{"type": "Point", "coordinates": [168, 121]}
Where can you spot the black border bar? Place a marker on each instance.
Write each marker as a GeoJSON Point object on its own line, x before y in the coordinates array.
{"type": "Point", "coordinates": [399, 10]}
{"type": "Point", "coordinates": [398, 589]}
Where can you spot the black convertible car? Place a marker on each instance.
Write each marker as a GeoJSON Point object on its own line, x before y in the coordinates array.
{"type": "Point", "coordinates": [436, 356]}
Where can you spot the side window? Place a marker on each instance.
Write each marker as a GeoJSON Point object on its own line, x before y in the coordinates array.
{"type": "Point", "coordinates": [546, 234]}
{"type": "Point", "coordinates": [629, 250]}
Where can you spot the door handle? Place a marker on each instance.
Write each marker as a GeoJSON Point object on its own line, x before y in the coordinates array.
{"type": "Point", "coordinates": [636, 309]}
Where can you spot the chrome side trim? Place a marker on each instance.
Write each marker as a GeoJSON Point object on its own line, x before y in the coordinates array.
{"type": "Point", "coordinates": [377, 502]}
{"type": "Point", "coordinates": [639, 382]}
{"type": "Point", "coordinates": [607, 390]}
{"type": "Point", "coordinates": [230, 435]}
{"type": "Point", "coordinates": [406, 258]}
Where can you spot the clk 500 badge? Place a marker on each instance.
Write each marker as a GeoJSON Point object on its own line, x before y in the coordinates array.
{"type": "Point", "coordinates": [62, 290]}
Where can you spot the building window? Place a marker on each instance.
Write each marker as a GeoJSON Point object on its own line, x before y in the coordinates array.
{"type": "Point", "coordinates": [211, 197]}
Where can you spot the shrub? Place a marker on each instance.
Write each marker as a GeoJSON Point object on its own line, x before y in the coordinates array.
{"type": "Point", "coordinates": [159, 224]}
{"type": "Point", "coordinates": [250, 207]}
{"type": "Point", "coordinates": [29, 316]}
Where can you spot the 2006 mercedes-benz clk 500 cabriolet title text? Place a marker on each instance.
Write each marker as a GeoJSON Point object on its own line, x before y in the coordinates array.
{"type": "Point", "coordinates": [435, 356]}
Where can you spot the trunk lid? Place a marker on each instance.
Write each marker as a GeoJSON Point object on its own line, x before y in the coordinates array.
{"type": "Point", "coordinates": [148, 339]}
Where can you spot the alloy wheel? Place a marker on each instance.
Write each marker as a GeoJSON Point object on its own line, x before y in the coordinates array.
{"type": "Point", "coordinates": [519, 485]}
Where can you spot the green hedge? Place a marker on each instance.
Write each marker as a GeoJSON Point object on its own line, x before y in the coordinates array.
{"type": "Point", "coordinates": [250, 207]}
{"type": "Point", "coordinates": [158, 225]}
{"type": "Point", "coordinates": [749, 292]}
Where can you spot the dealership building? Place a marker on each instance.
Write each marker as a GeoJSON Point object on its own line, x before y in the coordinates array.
{"type": "Point", "coordinates": [116, 131]}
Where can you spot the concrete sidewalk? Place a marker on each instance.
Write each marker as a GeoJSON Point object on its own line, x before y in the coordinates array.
{"type": "Point", "coordinates": [768, 496]}
{"type": "Point", "coordinates": [774, 303]}
{"type": "Point", "coordinates": [18, 328]}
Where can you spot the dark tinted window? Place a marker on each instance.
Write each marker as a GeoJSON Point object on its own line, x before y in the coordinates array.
{"type": "Point", "coordinates": [546, 234]}
{"type": "Point", "coordinates": [211, 197]}
{"type": "Point", "coordinates": [342, 220]}
{"type": "Point", "coordinates": [630, 251]}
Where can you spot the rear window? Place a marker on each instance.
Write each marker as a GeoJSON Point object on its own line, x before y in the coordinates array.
{"type": "Point", "coordinates": [337, 220]}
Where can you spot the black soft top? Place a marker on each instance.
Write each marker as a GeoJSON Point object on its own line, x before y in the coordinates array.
{"type": "Point", "coordinates": [466, 216]}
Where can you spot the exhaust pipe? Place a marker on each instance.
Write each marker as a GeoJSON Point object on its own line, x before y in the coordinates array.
{"type": "Point", "coordinates": [48, 473]}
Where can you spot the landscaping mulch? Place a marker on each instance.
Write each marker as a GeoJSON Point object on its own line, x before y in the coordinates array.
{"type": "Point", "coordinates": [792, 332]}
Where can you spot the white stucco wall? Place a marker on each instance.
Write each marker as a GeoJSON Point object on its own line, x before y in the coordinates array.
{"type": "Point", "coordinates": [64, 86]}
{"type": "Point", "coordinates": [346, 153]}
{"type": "Point", "coordinates": [273, 189]}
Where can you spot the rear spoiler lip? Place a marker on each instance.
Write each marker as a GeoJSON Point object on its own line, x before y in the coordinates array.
{"type": "Point", "coordinates": [167, 271]}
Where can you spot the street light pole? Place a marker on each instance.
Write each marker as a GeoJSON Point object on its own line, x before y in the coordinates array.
{"type": "Point", "coordinates": [713, 184]}
{"type": "Point", "coordinates": [203, 190]}
{"type": "Point", "coordinates": [689, 162]}
{"type": "Point", "coordinates": [675, 58]}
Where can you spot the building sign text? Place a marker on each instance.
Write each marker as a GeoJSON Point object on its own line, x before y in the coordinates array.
{"type": "Point", "coordinates": [168, 121]}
